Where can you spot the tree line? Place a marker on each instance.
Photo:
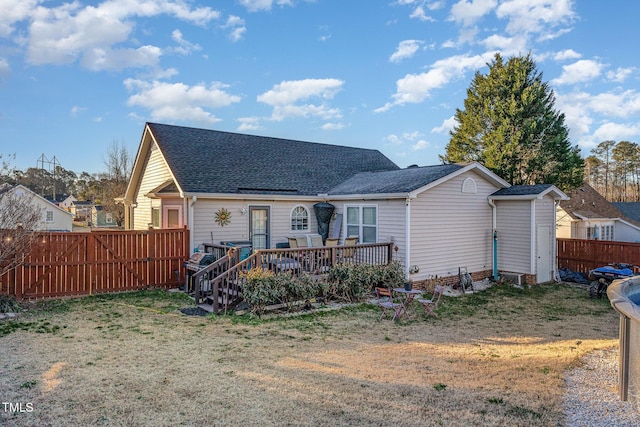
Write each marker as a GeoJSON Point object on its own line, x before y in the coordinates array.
{"type": "Point", "coordinates": [613, 169]}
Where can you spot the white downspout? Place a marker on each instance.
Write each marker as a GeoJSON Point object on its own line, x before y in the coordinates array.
{"type": "Point", "coordinates": [407, 237]}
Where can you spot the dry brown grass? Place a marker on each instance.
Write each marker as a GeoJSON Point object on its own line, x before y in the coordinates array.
{"type": "Point", "coordinates": [495, 358]}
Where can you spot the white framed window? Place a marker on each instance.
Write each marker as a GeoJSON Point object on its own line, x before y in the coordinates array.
{"type": "Point", "coordinates": [48, 216]}
{"type": "Point", "coordinates": [362, 221]}
{"type": "Point", "coordinates": [299, 218]}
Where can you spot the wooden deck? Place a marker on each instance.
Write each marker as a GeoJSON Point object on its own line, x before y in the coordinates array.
{"type": "Point", "coordinates": [218, 287]}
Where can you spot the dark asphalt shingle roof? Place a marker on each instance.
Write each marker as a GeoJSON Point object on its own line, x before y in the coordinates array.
{"type": "Point", "coordinates": [209, 161]}
{"type": "Point", "coordinates": [629, 209]}
{"type": "Point", "coordinates": [522, 190]}
{"type": "Point", "coordinates": [395, 181]}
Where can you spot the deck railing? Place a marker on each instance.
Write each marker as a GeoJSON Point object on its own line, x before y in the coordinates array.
{"type": "Point", "coordinates": [221, 282]}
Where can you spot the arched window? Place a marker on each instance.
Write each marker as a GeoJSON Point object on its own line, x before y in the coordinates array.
{"type": "Point", "coordinates": [469, 186]}
{"type": "Point", "coordinates": [299, 219]}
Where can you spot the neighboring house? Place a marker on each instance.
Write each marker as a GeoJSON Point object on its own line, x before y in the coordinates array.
{"type": "Point", "coordinates": [588, 215]}
{"type": "Point", "coordinates": [66, 203]}
{"type": "Point", "coordinates": [62, 200]}
{"type": "Point", "coordinates": [440, 217]}
{"type": "Point", "coordinates": [81, 210]}
{"type": "Point", "coordinates": [630, 210]}
{"type": "Point", "coordinates": [53, 217]}
{"type": "Point", "coordinates": [101, 218]}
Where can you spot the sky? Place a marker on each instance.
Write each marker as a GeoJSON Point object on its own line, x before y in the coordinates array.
{"type": "Point", "coordinates": [77, 77]}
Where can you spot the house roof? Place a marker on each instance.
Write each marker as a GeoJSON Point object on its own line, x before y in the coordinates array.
{"type": "Point", "coordinates": [21, 188]}
{"type": "Point", "coordinates": [587, 203]}
{"type": "Point", "coordinates": [629, 209]}
{"type": "Point", "coordinates": [209, 161]}
{"type": "Point", "coordinates": [396, 181]}
{"type": "Point", "coordinates": [529, 192]}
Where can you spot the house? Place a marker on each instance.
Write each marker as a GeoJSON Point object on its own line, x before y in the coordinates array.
{"type": "Point", "coordinates": [62, 200]}
{"type": "Point", "coordinates": [81, 210]}
{"type": "Point", "coordinates": [440, 218]}
{"type": "Point", "coordinates": [53, 217]}
{"type": "Point", "coordinates": [101, 218]}
{"type": "Point", "coordinates": [588, 215]}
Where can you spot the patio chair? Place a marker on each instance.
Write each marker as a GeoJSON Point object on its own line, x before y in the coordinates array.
{"type": "Point", "coordinates": [431, 304]}
{"type": "Point", "coordinates": [386, 303]}
{"type": "Point", "coordinates": [349, 254]}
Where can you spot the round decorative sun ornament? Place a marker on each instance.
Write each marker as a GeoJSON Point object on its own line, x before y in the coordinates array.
{"type": "Point", "coordinates": [223, 217]}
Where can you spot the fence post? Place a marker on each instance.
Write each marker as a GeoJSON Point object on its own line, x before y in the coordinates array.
{"type": "Point", "coordinates": [151, 264]}
{"type": "Point", "coordinates": [89, 256]}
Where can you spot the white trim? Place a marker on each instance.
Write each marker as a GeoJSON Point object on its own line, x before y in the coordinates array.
{"type": "Point", "coordinates": [360, 207]}
{"type": "Point", "coordinates": [483, 171]}
{"type": "Point", "coordinates": [306, 209]}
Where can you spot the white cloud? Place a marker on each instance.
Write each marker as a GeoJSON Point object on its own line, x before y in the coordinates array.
{"type": "Point", "coordinates": [69, 32]}
{"type": "Point", "coordinates": [237, 28]}
{"type": "Point", "coordinates": [421, 145]}
{"type": "Point", "coordinates": [185, 47]}
{"type": "Point", "coordinates": [249, 124]}
{"type": "Point", "coordinates": [285, 98]}
{"type": "Point", "coordinates": [75, 110]}
{"type": "Point", "coordinates": [621, 74]}
{"type": "Point", "coordinates": [260, 5]}
{"type": "Point", "coordinates": [333, 126]}
{"type": "Point", "coordinates": [582, 110]}
{"type": "Point", "coordinates": [580, 71]}
{"type": "Point", "coordinates": [415, 88]}
{"type": "Point", "coordinates": [469, 12]}
{"type": "Point", "coordinates": [97, 59]}
{"type": "Point", "coordinates": [406, 49]}
{"type": "Point", "coordinates": [178, 101]}
{"type": "Point", "coordinates": [420, 14]}
{"type": "Point", "coordinates": [5, 69]}
{"type": "Point", "coordinates": [535, 16]}
{"type": "Point", "coordinates": [446, 126]}
{"type": "Point", "coordinates": [566, 54]}
{"type": "Point", "coordinates": [14, 11]}
{"type": "Point", "coordinates": [616, 131]}
{"type": "Point", "coordinates": [394, 139]}
{"type": "Point", "coordinates": [506, 45]}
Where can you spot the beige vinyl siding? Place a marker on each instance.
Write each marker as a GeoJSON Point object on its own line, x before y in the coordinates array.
{"type": "Point", "coordinates": [155, 173]}
{"type": "Point", "coordinates": [205, 229]}
{"type": "Point", "coordinates": [514, 236]}
{"type": "Point", "coordinates": [451, 229]}
{"type": "Point", "coordinates": [563, 224]}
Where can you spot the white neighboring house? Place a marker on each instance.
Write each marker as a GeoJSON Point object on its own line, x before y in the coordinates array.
{"type": "Point", "coordinates": [54, 218]}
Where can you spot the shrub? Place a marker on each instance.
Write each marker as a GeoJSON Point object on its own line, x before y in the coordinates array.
{"type": "Point", "coordinates": [263, 288]}
{"type": "Point", "coordinates": [9, 304]}
{"type": "Point", "coordinates": [352, 283]}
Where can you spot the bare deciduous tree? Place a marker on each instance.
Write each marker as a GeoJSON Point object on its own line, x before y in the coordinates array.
{"type": "Point", "coordinates": [19, 217]}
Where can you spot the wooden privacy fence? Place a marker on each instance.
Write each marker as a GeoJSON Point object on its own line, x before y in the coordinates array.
{"type": "Point", "coordinates": [584, 255]}
{"type": "Point", "coordinates": [65, 264]}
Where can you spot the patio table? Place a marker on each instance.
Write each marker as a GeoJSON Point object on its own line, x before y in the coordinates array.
{"type": "Point", "coordinates": [406, 298]}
